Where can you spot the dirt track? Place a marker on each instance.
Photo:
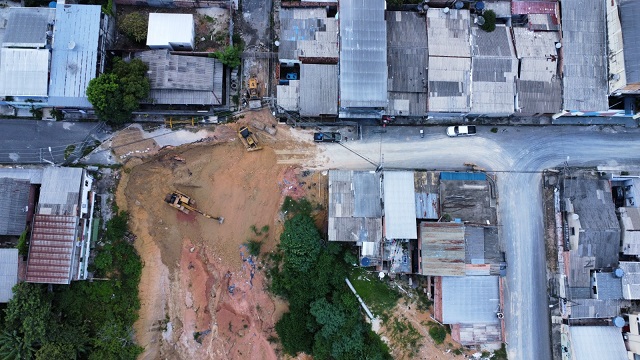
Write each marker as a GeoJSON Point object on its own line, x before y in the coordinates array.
{"type": "Point", "coordinates": [190, 262]}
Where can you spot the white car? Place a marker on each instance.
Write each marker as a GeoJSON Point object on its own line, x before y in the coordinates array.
{"type": "Point", "coordinates": [467, 130]}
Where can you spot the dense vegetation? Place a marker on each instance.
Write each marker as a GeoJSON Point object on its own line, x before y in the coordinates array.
{"type": "Point", "coordinates": [84, 320]}
{"type": "Point", "coordinates": [324, 317]}
{"type": "Point", "coordinates": [116, 94]}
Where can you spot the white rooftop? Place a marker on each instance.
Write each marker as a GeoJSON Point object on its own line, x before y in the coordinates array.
{"type": "Point", "coordinates": [399, 205]}
{"type": "Point", "coordinates": [24, 72]}
{"type": "Point", "coordinates": [170, 28]}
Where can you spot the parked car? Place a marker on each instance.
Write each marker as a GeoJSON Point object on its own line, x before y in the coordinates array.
{"type": "Point", "coordinates": [327, 137]}
{"type": "Point", "coordinates": [466, 130]}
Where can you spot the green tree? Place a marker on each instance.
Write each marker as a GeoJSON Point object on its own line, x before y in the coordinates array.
{"type": "Point", "coordinates": [489, 21]}
{"type": "Point", "coordinates": [13, 346]}
{"type": "Point", "coordinates": [115, 341]}
{"type": "Point", "coordinates": [23, 245]}
{"type": "Point", "coordinates": [300, 242]}
{"type": "Point", "coordinates": [28, 313]}
{"type": "Point", "coordinates": [230, 56]}
{"type": "Point", "coordinates": [56, 351]}
{"type": "Point", "coordinates": [135, 26]}
{"type": "Point", "coordinates": [117, 94]}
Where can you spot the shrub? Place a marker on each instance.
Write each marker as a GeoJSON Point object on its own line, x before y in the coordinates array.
{"type": "Point", "coordinates": [437, 333]}
{"type": "Point", "coordinates": [489, 21]}
{"type": "Point", "coordinates": [494, 130]}
{"type": "Point", "coordinates": [254, 246]}
{"type": "Point", "coordinates": [134, 25]}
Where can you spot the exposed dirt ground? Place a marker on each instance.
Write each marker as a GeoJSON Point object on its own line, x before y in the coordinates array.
{"type": "Point", "coordinates": [198, 281]}
{"type": "Point", "coordinates": [202, 296]}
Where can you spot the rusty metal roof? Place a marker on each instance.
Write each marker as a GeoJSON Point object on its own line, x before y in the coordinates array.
{"type": "Point", "coordinates": [51, 251]}
{"type": "Point", "coordinates": [443, 249]}
{"type": "Point", "coordinates": [534, 7]}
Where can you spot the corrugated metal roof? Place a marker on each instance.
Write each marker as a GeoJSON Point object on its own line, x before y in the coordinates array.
{"type": "Point", "coordinates": [363, 54]}
{"type": "Point", "coordinates": [356, 229]}
{"type": "Point", "coordinates": [164, 29]}
{"type": "Point", "coordinates": [535, 44]}
{"type": "Point", "coordinates": [27, 27]}
{"type": "Point", "coordinates": [597, 342]}
{"type": "Point", "coordinates": [631, 38]}
{"type": "Point", "coordinates": [24, 72]}
{"type": "Point", "coordinates": [52, 250]}
{"type": "Point", "coordinates": [34, 176]}
{"type": "Point", "coordinates": [615, 47]}
{"type": "Point", "coordinates": [630, 224]}
{"type": "Point", "coordinates": [474, 245]}
{"type": "Point", "coordinates": [607, 286]}
{"type": "Point", "coordinates": [354, 206]}
{"type": "Point", "coordinates": [74, 57]}
{"type": "Point", "coordinates": [448, 33]}
{"type": "Point", "coordinates": [630, 280]}
{"type": "Point", "coordinates": [426, 186]}
{"type": "Point", "coordinates": [399, 205]}
{"type": "Point", "coordinates": [14, 200]}
{"type": "Point", "coordinates": [584, 56]}
{"type": "Point", "coordinates": [449, 84]}
{"type": "Point", "coordinates": [599, 235]}
{"type": "Point", "coordinates": [60, 192]}
{"type": "Point", "coordinates": [470, 299]}
{"type": "Point", "coordinates": [407, 59]}
{"type": "Point", "coordinates": [288, 95]}
{"type": "Point", "coordinates": [307, 33]}
{"type": "Point", "coordinates": [8, 273]}
{"type": "Point", "coordinates": [596, 309]}
{"type": "Point", "coordinates": [181, 79]}
{"type": "Point", "coordinates": [494, 69]}
{"type": "Point", "coordinates": [318, 89]}
{"type": "Point", "coordinates": [443, 249]}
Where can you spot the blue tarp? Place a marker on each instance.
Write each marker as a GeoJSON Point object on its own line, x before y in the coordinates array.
{"type": "Point", "coordinates": [461, 176]}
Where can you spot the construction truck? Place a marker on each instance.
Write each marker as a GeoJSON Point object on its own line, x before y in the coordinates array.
{"type": "Point", "coordinates": [184, 203]}
{"type": "Point", "coordinates": [254, 99]}
{"type": "Point", "coordinates": [249, 139]}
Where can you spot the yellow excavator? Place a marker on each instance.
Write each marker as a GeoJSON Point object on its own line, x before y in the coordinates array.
{"type": "Point", "coordinates": [184, 203]}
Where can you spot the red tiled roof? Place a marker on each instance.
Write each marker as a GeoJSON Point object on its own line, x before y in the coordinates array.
{"type": "Point", "coordinates": [533, 7]}
{"type": "Point", "coordinates": [51, 249]}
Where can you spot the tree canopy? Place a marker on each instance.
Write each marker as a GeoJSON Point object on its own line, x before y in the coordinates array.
{"type": "Point", "coordinates": [324, 317]}
{"type": "Point", "coordinates": [230, 56]}
{"type": "Point", "coordinates": [489, 21]}
{"type": "Point", "coordinates": [115, 95]}
{"type": "Point", "coordinates": [83, 320]}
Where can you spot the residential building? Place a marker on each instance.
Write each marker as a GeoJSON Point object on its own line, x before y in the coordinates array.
{"type": "Point", "coordinates": [363, 59]}
{"type": "Point", "coordinates": [471, 306]}
{"type": "Point", "coordinates": [308, 55]}
{"type": "Point", "coordinates": [16, 205]}
{"type": "Point", "coordinates": [594, 343]}
{"type": "Point", "coordinates": [61, 231]}
{"type": "Point", "coordinates": [174, 32]}
{"type": "Point", "coordinates": [182, 79]}
{"type": "Point", "coordinates": [407, 59]}
{"type": "Point", "coordinates": [48, 56]}
{"type": "Point", "coordinates": [585, 85]}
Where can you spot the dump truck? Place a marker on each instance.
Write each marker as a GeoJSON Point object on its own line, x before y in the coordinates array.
{"type": "Point", "coordinates": [184, 203]}
{"type": "Point", "coordinates": [254, 98]}
{"type": "Point", "coordinates": [249, 139]}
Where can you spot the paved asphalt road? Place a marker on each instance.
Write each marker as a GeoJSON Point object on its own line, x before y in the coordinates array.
{"type": "Point", "coordinates": [28, 141]}
{"type": "Point", "coordinates": [517, 155]}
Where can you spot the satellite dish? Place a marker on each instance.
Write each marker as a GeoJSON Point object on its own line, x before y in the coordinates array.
{"type": "Point", "coordinates": [381, 275]}
{"type": "Point", "coordinates": [480, 20]}
{"type": "Point", "coordinates": [277, 43]}
{"type": "Point", "coordinates": [558, 45]}
{"type": "Point", "coordinates": [479, 5]}
{"type": "Point", "coordinates": [71, 45]}
{"type": "Point", "coordinates": [500, 315]}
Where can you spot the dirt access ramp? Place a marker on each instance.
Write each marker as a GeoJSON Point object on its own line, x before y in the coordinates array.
{"type": "Point", "coordinates": [202, 297]}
